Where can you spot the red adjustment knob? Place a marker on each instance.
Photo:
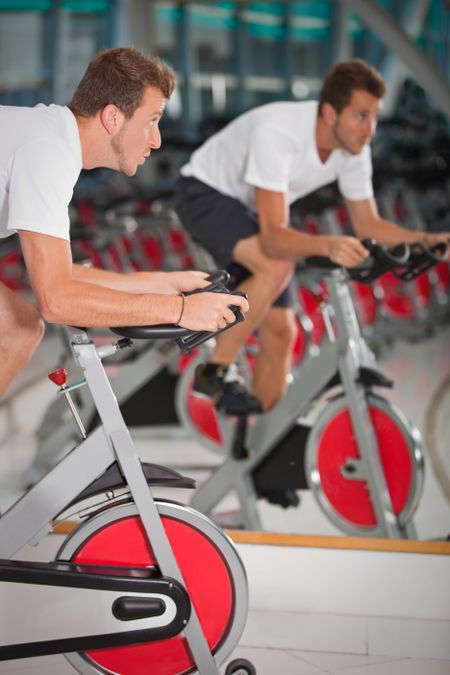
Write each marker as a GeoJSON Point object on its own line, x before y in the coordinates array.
{"type": "Point", "coordinates": [59, 376]}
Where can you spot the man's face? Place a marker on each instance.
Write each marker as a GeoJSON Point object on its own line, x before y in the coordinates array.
{"type": "Point", "coordinates": [355, 126]}
{"type": "Point", "coordinates": [138, 136]}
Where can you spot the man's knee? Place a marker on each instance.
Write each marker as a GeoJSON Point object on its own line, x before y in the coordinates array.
{"type": "Point", "coordinates": [27, 333]}
{"type": "Point", "coordinates": [277, 273]}
{"type": "Point", "coordinates": [36, 330]}
{"type": "Point", "coordinates": [279, 331]}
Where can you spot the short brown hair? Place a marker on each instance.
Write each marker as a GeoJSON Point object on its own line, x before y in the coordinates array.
{"type": "Point", "coordinates": [345, 78]}
{"type": "Point", "coordinates": [120, 76]}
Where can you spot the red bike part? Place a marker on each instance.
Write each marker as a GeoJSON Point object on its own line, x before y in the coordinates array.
{"type": "Point", "coordinates": [311, 304]}
{"type": "Point", "coordinates": [423, 290]}
{"type": "Point", "coordinates": [153, 251]}
{"type": "Point", "coordinates": [201, 410]}
{"type": "Point", "coordinates": [11, 271]}
{"type": "Point", "coordinates": [395, 301]}
{"type": "Point", "coordinates": [300, 344]}
{"type": "Point", "coordinates": [350, 498]}
{"type": "Point", "coordinates": [203, 415]}
{"type": "Point", "coordinates": [443, 275]}
{"type": "Point", "coordinates": [366, 303]}
{"type": "Point", "coordinates": [207, 579]}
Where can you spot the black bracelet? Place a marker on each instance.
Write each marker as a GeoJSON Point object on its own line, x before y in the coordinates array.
{"type": "Point", "coordinates": [182, 296]}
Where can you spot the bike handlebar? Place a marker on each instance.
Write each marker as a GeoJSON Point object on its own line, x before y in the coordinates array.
{"type": "Point", "coordinates": [404, 260]}
{"type": "Point", "coordinates": [421, 259]}
{"type": "Point", "coordinates": [381, 260]}
{"type": "Point", "coordinates": [186, 339]}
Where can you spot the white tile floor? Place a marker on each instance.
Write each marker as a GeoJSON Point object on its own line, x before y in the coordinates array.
{"type": "Point", "coordinates": [269, 661]}
{"type": "Point", "coordinates": [274, 641]}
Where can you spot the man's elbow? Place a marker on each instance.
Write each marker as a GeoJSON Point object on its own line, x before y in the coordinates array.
{"type": "Point", "coordinates": [50, 308]}
{"type": "Point", "coordinates": [268, 244]}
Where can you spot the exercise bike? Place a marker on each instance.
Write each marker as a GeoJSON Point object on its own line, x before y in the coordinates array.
{"type": "Point", "coordinates": [362, 460]}
{"type": "Point", "coordinates": [140, 585]}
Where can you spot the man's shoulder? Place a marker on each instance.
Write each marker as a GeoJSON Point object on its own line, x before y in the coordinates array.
{"type": "Point", "coordinates": [363, 158]}
{"type": "Point", "coordinates": [37, 113]}
{"type": "Point", "coordinates": [48, 132]}
{"type": "Point", "coordinates": [285, 109]}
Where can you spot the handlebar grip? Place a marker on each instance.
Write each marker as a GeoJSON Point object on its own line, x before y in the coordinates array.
{"type": "Point", "coordinates": [218, 281]}
{"type": "Point", "coordinates": [162, 331]}
{"type": "Point", "coordinates": [421, 259]}
{"type": "Point", "coordinates": [440, 251]}
{"type": "Point", "coordinates": [399, 254]}
{"type": "Point", "coordinates": [383, 259]}
{"type": "Point", "coordinates": [196, 338]}
{"type": "Point", "coordinates": [321, 262]}
{"type": "Point", "coordinates": [186, 339]}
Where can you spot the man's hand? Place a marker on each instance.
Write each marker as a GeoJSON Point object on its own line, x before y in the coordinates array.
{"type": "Point", "coordinates": [430, 239]}
{"type": "Point", "coordinates": [186, 281]}
{"type": "Point", "coordinates": [210, 311]}
{"type": "Point", "coordinates": [346, 251]}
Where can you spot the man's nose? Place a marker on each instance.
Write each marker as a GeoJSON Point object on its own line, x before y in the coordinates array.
{"type": "Point", "coordinates": [155, 139]}
{"type": "Point", "coordinates": [371, 127]}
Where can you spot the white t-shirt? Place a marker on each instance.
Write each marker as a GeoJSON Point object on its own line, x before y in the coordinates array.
{"type": "Point", "coordinates": [40, 161]}
{"type": "Point", "coordinates": [274, 147]}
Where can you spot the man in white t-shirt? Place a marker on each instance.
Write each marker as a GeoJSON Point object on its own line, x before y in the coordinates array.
{"type": "Point", "coordinates": [111, 121]}
{"type": "Point", "coordinates": [234, 196]}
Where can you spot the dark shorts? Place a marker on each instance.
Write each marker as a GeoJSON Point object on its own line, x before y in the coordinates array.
{"type": "Point", "coordinates": [218, 222]}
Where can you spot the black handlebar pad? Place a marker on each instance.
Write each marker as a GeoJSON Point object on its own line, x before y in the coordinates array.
{"type": "Point", "coordinates": [381, 260]}
{"type": "Point", "coordinates": [421, 259]}
{"type": "Point", "coordinates": [186, 339]}
{"type": "Point", "coordinates": [217, 283]}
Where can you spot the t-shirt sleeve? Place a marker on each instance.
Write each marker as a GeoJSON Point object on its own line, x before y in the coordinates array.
{"type": "Point", "coordinates": [40, 189]}
{"type": "Point", "coordinates": [269, 159]}
{"type": "Point", "coordinates": [355, 178]}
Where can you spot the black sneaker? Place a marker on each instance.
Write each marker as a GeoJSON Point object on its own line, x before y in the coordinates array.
{"type": "Point", "coordinates": [284, 498]}
{"type": "Point", "coordinates": [224, 387]}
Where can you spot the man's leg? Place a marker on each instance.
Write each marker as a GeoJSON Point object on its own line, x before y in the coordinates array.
{"type": "Point", "coordinates": [21, 330]}
{"type": "Point", "coordinates": [276, 340]}
{"type": "Point", "coordinates": [230, 232]}
{"type": "Point", "coordinates": [268, 278]}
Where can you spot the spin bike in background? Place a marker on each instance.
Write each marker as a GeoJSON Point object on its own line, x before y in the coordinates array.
{"type": "Point", "coordinates": [143, 378]}
{"type": "Point", "coordinates": [361, 458]}
{"type": "Point", "coordinates": [141, 585]}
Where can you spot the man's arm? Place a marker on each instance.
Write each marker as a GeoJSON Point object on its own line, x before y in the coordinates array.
{"type": "Point", "coordinates": [62, 298]}
{"type": "Point", "coordinates": [166, 283]}
{"type": "Point", "coordinates": [368, 223]}
{"type": "Point", "coordinates": [279, 241]}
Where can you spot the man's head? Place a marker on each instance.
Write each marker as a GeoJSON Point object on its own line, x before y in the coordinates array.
{"type": "Point", "coordinates": [349, 103]}
{"type": "Point", "coordinates": [126, 92]}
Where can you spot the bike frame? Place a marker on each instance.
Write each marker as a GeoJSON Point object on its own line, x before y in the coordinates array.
{"type": "Point", "coordinates": [344, 353]}
{"type": "Point", "coordinates": [30, 518]}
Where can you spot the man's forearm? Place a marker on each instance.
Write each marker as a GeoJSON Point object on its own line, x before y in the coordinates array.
{"type": "Point", "coordinates": [388, 233]}
{"type": "Point", "coordinates": [92, 304]}
{"type": "Point", "coordinates": [287, 244]}
{"type": "Point", "coordinates": [132, 282]}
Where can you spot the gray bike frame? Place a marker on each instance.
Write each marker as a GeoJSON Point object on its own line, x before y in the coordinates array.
{"type": "Point", "coordinates": [29, 519]}
{"type": "Point", "coordinates": [57, 431]}
{"type": "Point", "coordinates": [345, 352]}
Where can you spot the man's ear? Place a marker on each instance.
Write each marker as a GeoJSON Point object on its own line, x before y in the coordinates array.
{"type": "Point", "coordinates": [329, 114]}
{"type": "Point", "coordinates": [111, 118]}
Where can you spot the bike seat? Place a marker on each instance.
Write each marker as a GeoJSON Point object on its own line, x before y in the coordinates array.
{"type": "Point", "coordinates": [155, 475]}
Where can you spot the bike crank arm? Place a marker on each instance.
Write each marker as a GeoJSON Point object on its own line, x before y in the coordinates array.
{"type": "Point", "coordinates": [52, 608]}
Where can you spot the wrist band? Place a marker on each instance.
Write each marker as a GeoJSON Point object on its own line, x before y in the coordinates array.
{"type": "Point", "coordinates": [182, 296]}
